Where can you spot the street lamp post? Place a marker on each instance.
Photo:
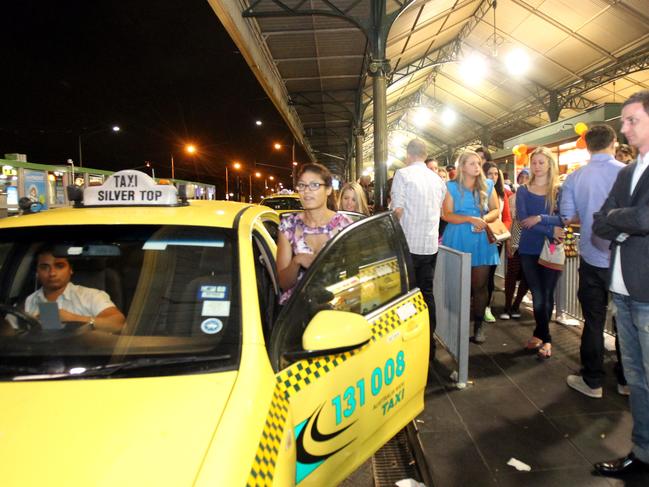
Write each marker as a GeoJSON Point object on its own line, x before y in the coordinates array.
{"type": "Point", "coordinates": [278, 146]}
{"type": "Point", "coordinates": [227, 190]}
{"type": "Point", "coordinates": [190, 149]}
{"type": "Point", "coordinates": [114, 128]}
{"type": "Point", "coordinates": [237, 166]}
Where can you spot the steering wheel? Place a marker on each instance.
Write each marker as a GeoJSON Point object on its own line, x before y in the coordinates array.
{"type": "Point", "coordinates": [29, 321]}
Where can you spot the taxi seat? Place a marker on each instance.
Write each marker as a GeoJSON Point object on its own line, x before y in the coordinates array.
{"type": "Point", "coordinates": [188, 312]}
{"type": "Point", "coordinates": [96, 274]}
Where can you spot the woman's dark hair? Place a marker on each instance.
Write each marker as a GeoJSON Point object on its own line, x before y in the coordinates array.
{"type": "Point", "coordinates": [317, 168]}
{"type": "Point", "coordinates": [326, 176]}
{"type": "Point", "coordinates": [499, 185]}
{"type": "Point", "coordinates": [486, 152]}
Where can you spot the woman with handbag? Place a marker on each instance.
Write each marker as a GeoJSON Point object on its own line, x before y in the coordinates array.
{"type": "Point", "coordinates": [492, 172]}
{"type": "Point", "coordinates": [470, 203]}
{"type": "Point", "coordinates": [537, 212]}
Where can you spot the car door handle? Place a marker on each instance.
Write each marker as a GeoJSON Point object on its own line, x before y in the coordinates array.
{"type": "Point", "coordinates": [410, 334]}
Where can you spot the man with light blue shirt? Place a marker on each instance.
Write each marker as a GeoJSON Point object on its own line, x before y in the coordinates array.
{"type": "Point", "coordinates": [583, 194]}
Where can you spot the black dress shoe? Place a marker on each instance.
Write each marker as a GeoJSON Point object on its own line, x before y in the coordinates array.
{"type": "Point", "coordinates": [622, 466]}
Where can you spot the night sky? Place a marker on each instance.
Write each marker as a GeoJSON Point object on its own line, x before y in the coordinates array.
{"type": "Point", "coordinates": [165, 71]}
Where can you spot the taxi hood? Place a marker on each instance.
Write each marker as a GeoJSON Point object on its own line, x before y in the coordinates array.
{"type": "Point", "coordinates": [136, 431]}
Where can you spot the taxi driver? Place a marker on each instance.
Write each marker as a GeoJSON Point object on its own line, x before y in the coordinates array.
{"type": "Point", "coordinates": [76, 303]}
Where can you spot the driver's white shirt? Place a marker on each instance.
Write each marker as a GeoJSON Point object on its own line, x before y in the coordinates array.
{"type": "Point", "coordinates": [80, 300]}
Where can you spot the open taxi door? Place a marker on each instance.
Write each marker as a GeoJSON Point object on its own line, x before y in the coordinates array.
{"type": "Point", "coordinates": [350, 349]}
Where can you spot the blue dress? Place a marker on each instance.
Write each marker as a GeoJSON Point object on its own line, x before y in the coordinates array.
{"type": "Point", "coordinates": [460, 236]}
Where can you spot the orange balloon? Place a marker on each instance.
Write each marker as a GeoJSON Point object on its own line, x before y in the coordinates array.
{"type": "Point", "coordinates": [581, 128]}
{"type": "Point", "coordinates": [581, 143]}
{"type": "Point", "coordinates": [522, 149]}
{"type": "Point", "coordinates": [522, 160]}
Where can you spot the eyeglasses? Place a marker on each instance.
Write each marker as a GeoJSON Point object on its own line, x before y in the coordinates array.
{"type": "Point", "coordinates": [313, 186]}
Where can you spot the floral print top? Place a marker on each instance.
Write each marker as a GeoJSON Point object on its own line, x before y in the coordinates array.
{"type": "Point", "coordinates": [295, 230]}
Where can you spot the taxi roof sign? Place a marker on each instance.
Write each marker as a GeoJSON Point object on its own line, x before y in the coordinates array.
{"type": "Point", "coordinates": [130, 188]}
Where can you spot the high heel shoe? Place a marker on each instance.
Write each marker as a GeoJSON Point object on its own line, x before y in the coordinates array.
{"type": "Point", "coordinates": [545, 352]}
{"type": "Point", "coordinates": [533, 344]}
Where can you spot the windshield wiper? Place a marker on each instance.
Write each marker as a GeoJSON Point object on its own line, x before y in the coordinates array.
{"type": "Point", "coordinates": [19, 373]}
{"type": "Point", "coordinates": [18, 369]}
{"type": "Point", "coordinates": [149, 362]}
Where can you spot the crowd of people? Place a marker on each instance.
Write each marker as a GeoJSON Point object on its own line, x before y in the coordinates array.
{"type": "Point", "coordinates": [457, 206]}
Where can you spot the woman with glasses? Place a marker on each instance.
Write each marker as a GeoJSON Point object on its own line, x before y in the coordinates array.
{"type": "Point", "coordinates": [302, 235]}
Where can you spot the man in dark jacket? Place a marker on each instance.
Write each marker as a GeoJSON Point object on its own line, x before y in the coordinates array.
{"type": "Point", "coordinates": [624, 219]}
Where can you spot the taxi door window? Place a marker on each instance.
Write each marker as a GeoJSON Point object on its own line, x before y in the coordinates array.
{"type": "Point", "coordinates": [360, 271]}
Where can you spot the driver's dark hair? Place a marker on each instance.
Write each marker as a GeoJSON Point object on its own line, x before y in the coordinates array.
{"type": "Point", "coordinates": [49, 249]}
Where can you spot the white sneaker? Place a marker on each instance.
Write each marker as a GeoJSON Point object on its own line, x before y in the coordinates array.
{"type": "Point", "coordinates": [488, 316]}
{"type": "Point", "coordinates": [505, 316]}
{"type": "Point", "coordinates": [623, 390]}
{"type": "Point", "coordinates": [516, 314]}
{"type": "Point", "coordinates": [578, 384]}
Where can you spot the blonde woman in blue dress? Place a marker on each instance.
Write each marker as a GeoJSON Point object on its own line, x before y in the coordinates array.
{"type": "Point", "coordinates": [470, 204]}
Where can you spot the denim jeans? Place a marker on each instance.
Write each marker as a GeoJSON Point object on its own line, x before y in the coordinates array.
{"type": "Point", "coordinates": [542, 282]}
{"type": "Point", "coordinates": [633, 328]}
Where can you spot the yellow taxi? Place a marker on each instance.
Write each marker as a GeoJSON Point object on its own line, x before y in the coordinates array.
{"type": "Point", "coordinates": [209, 382]}
{"type": "Point", "coordinates": [283, 202]}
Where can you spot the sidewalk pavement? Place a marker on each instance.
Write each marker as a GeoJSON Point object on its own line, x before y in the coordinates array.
{"type": "Point", "coordinates": [520, 407]}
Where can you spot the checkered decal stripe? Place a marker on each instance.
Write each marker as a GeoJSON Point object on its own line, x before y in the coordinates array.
{"type": "Point", "coordinates": [263, 467]}
{"type": "Point", "coordinates": [389, 321]}
{"type": "Point", "coordinates": [292, 380]}
{"type": "Point", "coordinates": [299, 375]}
{"type": "Point", "coordinates": [391, 265]}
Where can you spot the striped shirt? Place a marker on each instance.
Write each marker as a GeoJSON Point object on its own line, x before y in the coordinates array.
{"type": "Point", "coordinates": [420, 193]}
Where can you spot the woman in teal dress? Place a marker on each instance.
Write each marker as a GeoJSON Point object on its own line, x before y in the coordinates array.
{"type": "Point", "coordinates": [471, 203]}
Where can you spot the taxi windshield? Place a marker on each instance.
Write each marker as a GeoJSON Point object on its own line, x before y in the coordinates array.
{"type": "Point", "coordinates": [283, 203]}
{"type": "Point", "coordinates": [119, 300]}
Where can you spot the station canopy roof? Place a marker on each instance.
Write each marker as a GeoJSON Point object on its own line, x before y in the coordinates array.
{"type": "Point", "coordinates": [462, 72]}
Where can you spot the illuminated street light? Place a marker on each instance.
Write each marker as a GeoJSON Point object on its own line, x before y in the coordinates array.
{"type": "Point", "coordinates": [114, 128]}
{"type": "Point", "coordinates": [258, 123]}
{"type": "Point", "coordinates": [190, 149]}
{"type": "Point", "coordinates": [236, 165]}
{"type": "Point", "coordinates": [277, 146]}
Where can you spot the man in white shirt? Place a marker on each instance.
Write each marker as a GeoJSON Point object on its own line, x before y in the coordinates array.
{"type": "Point", "coordinates": [624, 219]}
{"type": "Point", "coordinates": [417, 196]}
{"type": "Point", "coordinates": [75, 303]}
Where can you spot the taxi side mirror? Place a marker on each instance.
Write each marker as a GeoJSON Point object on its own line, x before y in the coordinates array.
{"type": "Point", "coordinates": [331, 332]}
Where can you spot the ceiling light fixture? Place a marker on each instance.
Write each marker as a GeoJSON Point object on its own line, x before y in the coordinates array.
{"type": "Point", "coordinates": [473, 68]}
{"type": "Point", "coordinates": [517, 62]}
{"type": "Point", "coordinates": [449, 116]}
{"type": "Point", "coordinates": [421, 116]}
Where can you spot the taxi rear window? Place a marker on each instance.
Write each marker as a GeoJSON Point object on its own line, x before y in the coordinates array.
{"type": "Point", "coordinates": [177, 286]}
{"type": "Point", "coordinates": [283, 203]}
